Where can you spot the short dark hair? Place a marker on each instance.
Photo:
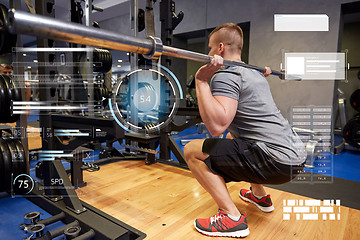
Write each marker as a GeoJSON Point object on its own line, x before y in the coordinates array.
{"type": "Point", "coordinates": [231, 27]}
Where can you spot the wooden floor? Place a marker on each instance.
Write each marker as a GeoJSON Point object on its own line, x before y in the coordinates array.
{"type": "Point", "coordinates": [163, 201]}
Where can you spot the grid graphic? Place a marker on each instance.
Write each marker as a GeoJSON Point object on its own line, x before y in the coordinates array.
{"type": "Point", "coordinates": [313, 125]}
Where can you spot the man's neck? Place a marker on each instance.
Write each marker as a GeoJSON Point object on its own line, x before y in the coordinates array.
{"type": "Point", "coordinates": [233, 58]}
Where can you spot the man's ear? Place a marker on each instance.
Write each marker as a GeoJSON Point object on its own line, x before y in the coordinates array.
{"type": "Point", "coordinates": [221, 47]}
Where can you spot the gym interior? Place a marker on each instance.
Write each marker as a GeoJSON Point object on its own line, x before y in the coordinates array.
{"type": "Point", "coordinates": [100, 101]}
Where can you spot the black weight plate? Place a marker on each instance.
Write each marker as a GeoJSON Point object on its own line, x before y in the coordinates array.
{"type": "Point", "coordinates": [102, 61]}
{"type": "Point", "coordinates": [3, 101]}
{"type": "Point", "coordinates": [2, 173]}
{"type": "Point", "coordinates": [7, 40]}
{"type": "Point", "coordinates": [7, 164]}
{"type": "Point", "coordinates": [16, 96]}
{"type": "Point", "coordinates": [108, 62]}
{"type": "Point", "coordinates": [17, 93]}
{"type": "Point", "coordinates": [14, 159]}
{"type": "Point", "coordinates": [7, 102]}
{"type": "Point", "coordinates": [97, 61]}
{"type": "Point", "coordinates": [21, 155]}
{"type": "Point", "coordinates": [355, 100]}
{"type": "Point", "coordinates": [351, 132]}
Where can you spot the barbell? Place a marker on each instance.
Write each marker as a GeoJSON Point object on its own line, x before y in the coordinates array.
{"type": "Point", "coordinates": [152, 48]}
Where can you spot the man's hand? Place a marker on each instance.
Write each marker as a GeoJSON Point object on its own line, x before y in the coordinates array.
{"type": "Point", "coordinates": [207, 71]}
{"type": "Point", "coordinates": [267, 71]}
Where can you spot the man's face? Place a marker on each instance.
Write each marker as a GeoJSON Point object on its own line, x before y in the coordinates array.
{"type": "Point", "coordinates": [5, 71]}
{"type": "Point", "coordinates": [213, 46]}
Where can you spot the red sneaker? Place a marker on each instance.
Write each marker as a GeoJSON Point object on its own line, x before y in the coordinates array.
{"type": "Point", "coordinates": [264, 203]}
{"type": "Point", "coordinates": [221, 225]}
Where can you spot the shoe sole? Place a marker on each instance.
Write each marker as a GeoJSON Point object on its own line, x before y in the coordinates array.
{"type": "Point", "coordinates": [264, 209]}
{"type": "Point", "coordinates": [236, 234]}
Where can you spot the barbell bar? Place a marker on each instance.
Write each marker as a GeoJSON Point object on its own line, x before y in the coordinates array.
{"type": "Point", "coordinates": [45, 27]}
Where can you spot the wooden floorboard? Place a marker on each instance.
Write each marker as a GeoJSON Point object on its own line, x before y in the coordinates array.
{"type": "Point", "coordinates": [163, 201]}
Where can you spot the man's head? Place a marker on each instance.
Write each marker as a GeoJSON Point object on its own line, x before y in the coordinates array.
{"type": "Point", "coordinates": [226, 40]}
{"type": "Point", "coordinates": [6, 69]}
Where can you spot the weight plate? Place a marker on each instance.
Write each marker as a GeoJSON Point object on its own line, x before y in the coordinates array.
{"type": "Point", "coordinates": [14, 159]}
{"type": "Point", "coordinates": [102, 61]}
{"type": "Point", "coordinates": [7, 102]}
{"type": "Point", "coordinates": [17, 93]}
{"type": "Point", "coordinates": [351, 132]}
{"type": "Point", "coordinates": [109, 61]}
{"type": "Point", "coordinates": [7, 40]}
{"type": "Point", "coordinates": [98, 60]}
{"type": "Point", "coordinates": [2, 173]}
{"type": "Point", "coordinates": [355, 100]}
{"type": "Point", "coordinates": [7, 164]}
{"type": "Point", "coordinates": [3, 100]}
{"type": "Point", "coordinates": [21, 155]}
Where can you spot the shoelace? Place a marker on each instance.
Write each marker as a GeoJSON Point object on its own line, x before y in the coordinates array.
{"type": "Point", "coordinates": [216, 217]}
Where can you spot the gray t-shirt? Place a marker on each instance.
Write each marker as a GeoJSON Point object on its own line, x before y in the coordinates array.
{"type": "Point", "coordinates": [257, 118]}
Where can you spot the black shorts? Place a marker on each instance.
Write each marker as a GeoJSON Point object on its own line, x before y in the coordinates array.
{"type": "Point", "coordinates": [239, 160]}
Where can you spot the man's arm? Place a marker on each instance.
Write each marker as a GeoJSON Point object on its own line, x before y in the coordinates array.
{"type": "Point", "coordinates": [217, 112]}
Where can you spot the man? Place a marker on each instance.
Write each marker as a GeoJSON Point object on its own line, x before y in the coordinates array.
{"type": "Point", "coordinates": [261, 147]}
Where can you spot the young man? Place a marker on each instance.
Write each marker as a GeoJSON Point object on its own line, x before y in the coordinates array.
{"type": "Point", "coordinates": [261, 147]}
